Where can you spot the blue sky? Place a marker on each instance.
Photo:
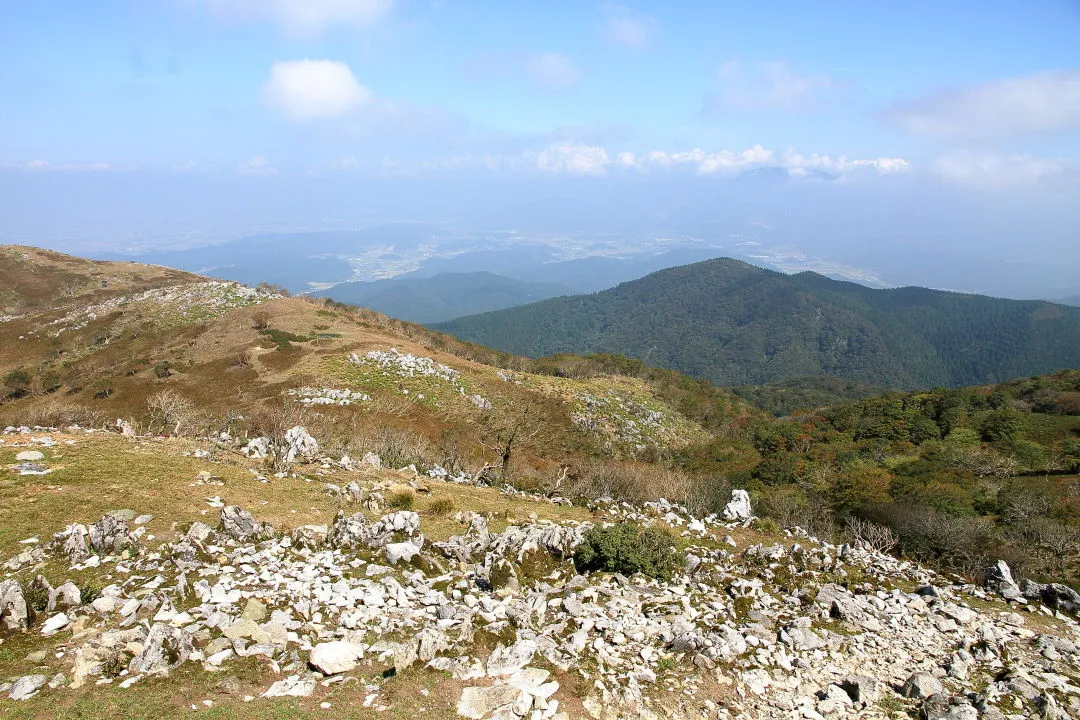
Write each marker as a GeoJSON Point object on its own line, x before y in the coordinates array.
{"type": "Point", "coordinates": [952, 129]}
{"type": "Point", "coordinates": [192, 83]}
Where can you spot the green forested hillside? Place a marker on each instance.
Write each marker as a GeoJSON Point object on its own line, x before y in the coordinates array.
{"type": "Point", "coordinates": [444, 296]}
{"type": "Point", "coordinates": [803, 393]}
{"type": "Point", "coordinates": [736, 324]}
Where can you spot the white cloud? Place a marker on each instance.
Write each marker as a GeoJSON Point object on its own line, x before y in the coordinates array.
{"type": "Point", "coordinates": [1044, 102]}
{"type": "Point", "coordinates": [578, 159]}
{"type": "Point", "coordinates": [314, 89]}
{"type": "Point", "coordinates": [573, 159]}
{"type": "Point", "coordinates": [44, 165]}
{"type": "Point", "coordinates": [733, 162]}
{"type": "Point", "coordinates": [766, 86]}
{"type": "Point", "coordinates": [994, 171]}
{"type": "Point", "coordinates": [554, 70]}
{"type": "Point", "coordinates": [304, 18]}
{"type": "Point", "coordinates": [627, 28]}
{"type": "Point", "coordinates": [257, 166]}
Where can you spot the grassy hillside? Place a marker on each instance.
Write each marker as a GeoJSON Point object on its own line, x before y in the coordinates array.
{"type": "Point", "coordinates": [231, 358]}
{"type": "Point", "coordinates": [444, 296]}
{"type": "Point", "coordinates": [736, 324]}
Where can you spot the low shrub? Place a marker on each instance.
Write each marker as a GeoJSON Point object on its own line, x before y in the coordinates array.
{"type": "Point", "coordinates": [627, 549]}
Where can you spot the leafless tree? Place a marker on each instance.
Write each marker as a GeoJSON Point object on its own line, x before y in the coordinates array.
{"type": "Point", "coordinates": [172, 411]}
{"type": "Point", "coordinates": [878, 537]}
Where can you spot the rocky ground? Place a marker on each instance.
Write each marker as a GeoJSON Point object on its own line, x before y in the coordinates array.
{"type": "Point", "coordinates": [751, 626]}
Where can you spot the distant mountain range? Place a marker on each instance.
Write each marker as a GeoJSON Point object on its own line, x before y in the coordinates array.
{"type": "Point", "coordinates": [444, 296]}
{"type": "Point", "coordinates": [1072, 300]}
{"type": "Point", "coordinates": [736, 324]}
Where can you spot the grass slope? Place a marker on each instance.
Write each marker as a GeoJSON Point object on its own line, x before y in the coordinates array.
{"type": "Point", "coordinates": [736, 324]}
{"type": "Point", "coordinates": [235, 358]}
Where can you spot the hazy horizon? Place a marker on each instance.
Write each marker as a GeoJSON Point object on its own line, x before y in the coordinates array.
{"type": "Point", "coordinates": [941, 152]}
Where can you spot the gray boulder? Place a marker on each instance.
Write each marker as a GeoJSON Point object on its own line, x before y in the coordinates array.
{"type": "Point", "coordinates": [14, 612]}
{"type": "Point", "coordinates": [299, 445]}
{"type": "Point", "coordinates": [239, 524]}
{"type": "Point", "coordinates": [1061, 597]}
{"type": "Point", "coordinates": [862, 690]}
{"type": "Point", "coordinates": [398, 552]}
{"type": "Point", "coordinates": [334, 658]}
{"type": "Point", "coordinates": [164, 649]}
{"type": "Point", "coordinates": [921, 685]}
{"type": "Point", "coordinates": [109, 534]}
{"type": "Point", "coordinates": [27, 687]}
{"type": "Point", "coordinates": [65, 596]}
{"type": "Point", "coordinates": [998, 579]}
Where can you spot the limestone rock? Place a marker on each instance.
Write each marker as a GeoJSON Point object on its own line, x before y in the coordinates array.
{"type": "Point", "coordinates": [738, 509]}
{"type": "Point", "coordinates": [109, 535]}
{"type": "Point", "coordinates": [239, 524]}
{"type": "Point", "coordinates": [333, 658]}
{"type": "Point", "coordinates": [508, 660]}
{"type": "Point", "coordinates": [299, 445]}
{"type": "Point", "coordinates": [27, 687]}
{"type": "Point", "coordinates": [14, 612]}
{"type": "Point", "coordinates": [999, 579]}
{"type": "Point", "coordinates": [1061, 597]}
{"type": "Point", "coordinates": [397, 552]}
{"type": "Point", "coordinates": [65, 596]}
{"type": "Point", "coordinates": [164, 649]}
{"type": "Point", "coordinates": [921, 685]}
{"type": "Point", "coordinates": [292, 686]}
{"type": "Point", "coordinates": [481, 702]}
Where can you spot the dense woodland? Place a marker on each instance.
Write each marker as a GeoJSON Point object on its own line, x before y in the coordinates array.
{"type": "Point", "coordinates": [960, 476]}
{"type": "Point", "coordinates": [735, 324]}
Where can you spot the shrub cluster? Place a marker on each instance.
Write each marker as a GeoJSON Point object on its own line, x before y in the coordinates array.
{"type": "Point", "coordinates": [628, 549]}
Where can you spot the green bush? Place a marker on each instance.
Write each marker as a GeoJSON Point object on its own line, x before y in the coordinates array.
{"type": "Point", "coordinates": [17, 382]}
{"type": "Point", "coordinates": [627, 549]}
{"type": "Point", "coordinates": [283, 338]}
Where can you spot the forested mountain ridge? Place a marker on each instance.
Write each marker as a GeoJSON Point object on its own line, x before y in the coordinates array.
{"type": "Point", "coordinates": [736, 324]}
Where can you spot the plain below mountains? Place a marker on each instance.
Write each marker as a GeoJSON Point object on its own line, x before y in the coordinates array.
{"type": "Point", "coordinates": [444, 296]}
{"type": "Point", "coordinates": [737, 324]}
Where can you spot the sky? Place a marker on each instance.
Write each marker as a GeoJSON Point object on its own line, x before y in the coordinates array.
{"type": "Point", "coordinates": [240, 109]}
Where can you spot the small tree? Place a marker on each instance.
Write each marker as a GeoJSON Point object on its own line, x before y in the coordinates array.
{"type": "Point", "coordinates": [172, 410]}
{"type": "Point", "coordinates": [261, 320]}
{"type": "Point", "coordinates": [17, 382]}
{"type": "Point", "coordinates": [505, 431]}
